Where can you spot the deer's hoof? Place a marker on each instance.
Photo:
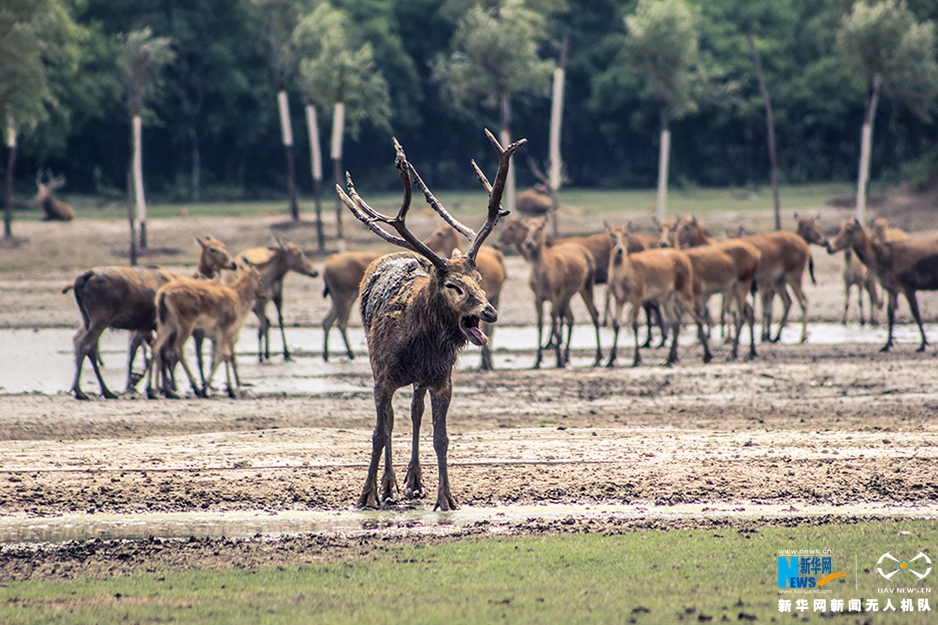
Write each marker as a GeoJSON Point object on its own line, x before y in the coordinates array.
{"type": "Point", "coordinates": [415, 492]}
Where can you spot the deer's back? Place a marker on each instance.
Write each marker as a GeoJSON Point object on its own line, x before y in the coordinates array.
{"type": "Point", "coordinates": [781, 252]}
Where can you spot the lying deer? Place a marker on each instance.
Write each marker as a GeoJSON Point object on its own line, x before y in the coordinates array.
{"type": "Point", "coordinates": [219, 308]}
{"type": "Point", "coordinates": [661, 275]}
{"type": "Point", "coordinates": [53, 209]}
{"type": "Point", "coordinates": [900, 266]}
{"type": "Point", "coordinates": [491, 265]}
{"type": "Point", "coordinates": [122, 298]}
{"type": "Point", "coordinates": [418, 311]}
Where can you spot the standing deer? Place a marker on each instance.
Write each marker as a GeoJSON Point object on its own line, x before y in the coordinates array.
{"type": "Point", "coordinates": [418, 311]}
{"type": "Point", "coordinates": [856, 274]}
{"type": "Point", "coordinates": [491, 265]}
{"type": "Point", "coordinates": [342, 275]}
{"type": "Point", "coordinates": [900, 266]}
{"type": "Point", "coordinates": [53, 209]}
{"type": "Point", "coordinates": [122, 298]}
{"type": "Point", "coordinates": [558, 272]}
{"type": "Point", "coordinates": [659, 274]}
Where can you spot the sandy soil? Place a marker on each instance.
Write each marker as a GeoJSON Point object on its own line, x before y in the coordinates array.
{"type": "Point", "coordinates": [803, 425]}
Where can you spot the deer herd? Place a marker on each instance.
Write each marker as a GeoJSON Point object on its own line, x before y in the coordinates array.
{"type": "Point", "coordinates": [421, 306]}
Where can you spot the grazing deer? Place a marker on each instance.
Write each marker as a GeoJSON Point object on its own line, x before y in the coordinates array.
{"type": "Point", "coordinates": [219, 309]}
{"type": "Point", "coordinates": [855, 273]}
{"type": "Point", "coordinates": [558, 272]}
{"type": "Point", "coordinates": [53, 209]}
{"type": "Point", "coordinates": [661, 275]}
{"type": "Point", "coordinates": [418, 311]}
{"type": "Point", "coordinates": [491, 265]}
{"type": "Point", "coordinates": [784, 256]}
{"type": "Point", "coordinates": [900, 266]}
{"type": "Point", "coordinates": [342, 274]}
{"type": "Point", "coordinates": [123, 298]}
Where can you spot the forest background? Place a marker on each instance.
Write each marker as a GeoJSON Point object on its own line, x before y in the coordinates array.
{"type": "Point", "coordinates": [212, 130]}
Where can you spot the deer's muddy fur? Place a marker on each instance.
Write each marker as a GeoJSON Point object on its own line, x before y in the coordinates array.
{"type": "Point", "coordinates": [418, 312]}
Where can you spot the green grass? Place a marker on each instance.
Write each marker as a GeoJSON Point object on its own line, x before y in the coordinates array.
{"type": "Point", "coordinates": [697, 201]}
{"type": "Point", "coordinates": [641, 576]}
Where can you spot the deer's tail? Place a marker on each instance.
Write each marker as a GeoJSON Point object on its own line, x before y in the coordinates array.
{"type": "Point", "coordinates": [79, 287]}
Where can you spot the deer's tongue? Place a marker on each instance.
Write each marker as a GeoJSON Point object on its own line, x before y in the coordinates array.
{"type": "Point", "coordinates": [477, 336]}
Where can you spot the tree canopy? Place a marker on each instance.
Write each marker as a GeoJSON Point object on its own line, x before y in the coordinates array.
{"type": "Point", "coordinates": [60, 75]}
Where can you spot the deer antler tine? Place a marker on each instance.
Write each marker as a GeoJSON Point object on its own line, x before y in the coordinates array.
{"type": "Point", "coordinates": [495, 195]}
{"type": "Point", "coordinates": [434, 203]}
{"type": "Point", "coordinates": [366, 214]}
{"type": "Point", "coordinates": [488, 188]}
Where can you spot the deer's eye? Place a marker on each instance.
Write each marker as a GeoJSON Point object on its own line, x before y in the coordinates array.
{"type": "Point", "coordinates": [455, 288]}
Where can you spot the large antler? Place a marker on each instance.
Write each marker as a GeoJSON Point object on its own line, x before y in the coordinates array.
{"type": "Point", "coordinates": [370, 217]}
{"type": "Point", "coordinates": [494, 191]}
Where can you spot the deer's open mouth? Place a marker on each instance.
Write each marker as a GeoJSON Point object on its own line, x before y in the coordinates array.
{"type": "Point", "coordinates": [470, 325]}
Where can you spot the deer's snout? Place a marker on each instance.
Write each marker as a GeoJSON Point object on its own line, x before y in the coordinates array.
{"type": "Point", "coordinates": [489, 314]}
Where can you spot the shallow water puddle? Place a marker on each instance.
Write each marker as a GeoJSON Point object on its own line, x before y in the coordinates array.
{"type": "Point", "coordinates": [352, 522]}
{"type": "Point", "coordinates": [50, 365]}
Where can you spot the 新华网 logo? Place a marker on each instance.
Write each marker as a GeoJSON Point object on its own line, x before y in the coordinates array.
{"type": "Point", "coordinates": [800, 572]}
{"type": "Point", "coordinates": [888, 565]}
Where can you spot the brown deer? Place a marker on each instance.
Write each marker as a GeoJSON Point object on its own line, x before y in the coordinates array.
{"type": "Point", "coordinates": [53, 209]}
{"type": "Point", "coordinates": [123, 298]}
{"type": "Point", "coordinates": [900, 266]}
{"type": "Point", "coordinates": [418, 311]}
{"type": "Point", "coordinates": [558, 272]}
{"type": "Point", "coordinates": [218, 308]}
{"type": "Point", "coordinates": [783, 258]}
{"type": "Point", "coordinates": [491, 265]}
{"type": "Point", "coordinates": [881, 232]}
{"type": "Point", "coordinates": [661, 275]}
{"type": "Point", "coordinates": [342, 274]}
{"type": "Point", "coordinates": [274, 263]}
{"type": "Point", "coordinates": [808, 230]}
{"type": "Point", "coordinates": [534, 201]}
{"type": "Point", "coordinates": [856, 274]}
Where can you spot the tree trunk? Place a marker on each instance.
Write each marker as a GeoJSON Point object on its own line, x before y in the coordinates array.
{"type": "Point", "coordinates": [664, 155]}
{"type": "Point", "coordinates": [556, 119]}
{"type": "Point", "coordinates": [338, 129]}
{"type": "Point", "coordinates": [8, 199]}
{"type": "Point", "coordinates": [316, 163]}
{"type": "Point", "coordinates": [287, 134]}
{"type": "Point", "coordinates": [132, 255]}
{"type": "Point", "coordinates": [196, 155]}
{"type": "Point", "coordinates": [770, 128]}
{"type": "Point", "coordinates": [505, 138]}
{"type": "Point", "coordinates": [139, 199]}
{"type": "Point", "coordinates": [866, 147]}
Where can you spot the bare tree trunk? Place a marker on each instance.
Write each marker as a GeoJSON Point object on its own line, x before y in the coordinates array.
{"type": "Point", "coordinates": [8, 199]}
{"type": "Point", "coordinates": [556, 118]}
{"type": "Point", "coordinates": [866, 147]}
{"type": "Point", "coordinates": [132, 255]}
{"type": "Point", "coordinates": [316, 163]}
{"type": "Point", "coordinates": [338, 129]}
{"type": "Point", "coordinates": [505, 138]}
{"type": "Point", "coordinates": [286, 131]}
{"type": "Point", "coordinates": [770, 128]}
{"type": "Point", "coordinates": [139, 199]}
{"type": "Point", "coordinates": [196, 156]}
{"type": "Point", "coordinates": [664, 155]}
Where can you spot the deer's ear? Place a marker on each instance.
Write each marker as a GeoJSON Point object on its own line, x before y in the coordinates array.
{"type": "Point", "coordinates": [201, 242]}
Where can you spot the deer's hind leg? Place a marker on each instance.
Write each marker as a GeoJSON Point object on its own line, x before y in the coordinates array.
{"type": "Point", "coordinates": [380, 442]}
{"type": "Point", "coordinates": [439, 400]}
{"type": "Point", "coordinates": [413, 480]}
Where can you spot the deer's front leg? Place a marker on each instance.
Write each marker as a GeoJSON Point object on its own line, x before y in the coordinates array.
{"type": "Point", "coordinates": [380, 439]}
{"type": "Point", "coordinates": [413, 481]}
{"type": "Point", "coordinates": [439, 399]}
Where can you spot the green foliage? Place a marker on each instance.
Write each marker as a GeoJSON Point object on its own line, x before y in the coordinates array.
{"type": "Point", "coordinates": [884, 39]}
{"type": "Point", "coordinates": [662, 44]}
{"type": "Point", "coordinates": [141, 64]}
{"type": "Point", "coordinates": [333, 69]}
{"type": "Point", "coordinates": [495, 54]}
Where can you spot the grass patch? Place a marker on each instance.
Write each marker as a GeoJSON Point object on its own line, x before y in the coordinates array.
{"type": "Point", "coordinates": [642, 577]}
{"type": "Point", "coordinates": [607, 201]}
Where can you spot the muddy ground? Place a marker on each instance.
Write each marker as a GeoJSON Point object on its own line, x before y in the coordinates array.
{"type": "Point", "coordinates": [803, 425]}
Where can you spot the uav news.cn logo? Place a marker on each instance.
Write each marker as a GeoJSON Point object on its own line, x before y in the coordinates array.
{"type": "Point", "coordinates": [888, 565]}
{"type": "Point", "coordinates": [806, 572]}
